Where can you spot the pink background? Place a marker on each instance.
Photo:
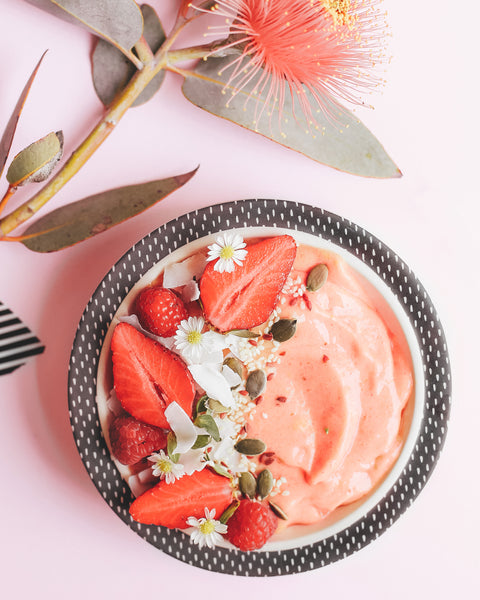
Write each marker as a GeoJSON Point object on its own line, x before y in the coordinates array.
{"type": "Point", "coordinates": [59, 538]}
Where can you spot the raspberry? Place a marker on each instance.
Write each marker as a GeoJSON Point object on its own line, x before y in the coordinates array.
{"type": "Point", "coordinates": [251, 526]}
{"type": "Point", "coordinates": [131, 440]}
{"type": "Point", "coordinates": [160, 310]}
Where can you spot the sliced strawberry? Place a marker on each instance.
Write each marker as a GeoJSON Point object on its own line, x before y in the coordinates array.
{"type": "Point", "coordinates": [147, 377]}
{"type": "Point", "coordinates": [131, 440]}
{"type": "Point", "coordinates": [160, 310]}
{"type": "Point", "coordinates": [247, 296]}
{"type": "Point", "coordinates": [170, 504]}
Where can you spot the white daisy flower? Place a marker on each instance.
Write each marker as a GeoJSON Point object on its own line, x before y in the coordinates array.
{"type": "Point", "coordinates": [229, 250]}
{"type": "Point", "coordinates": [165, 468]}
{"type": "Point", "coordinates": [207, 530]}
{"type": "Point", "coordinates": [197, 346]}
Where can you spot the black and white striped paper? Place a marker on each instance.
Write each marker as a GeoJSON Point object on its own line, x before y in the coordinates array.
{"type": "Point", "coordinates": [17, 342]}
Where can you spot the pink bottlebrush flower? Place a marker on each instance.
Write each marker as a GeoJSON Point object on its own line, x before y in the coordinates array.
{"type": "Point", "coordinates": [329, 47]}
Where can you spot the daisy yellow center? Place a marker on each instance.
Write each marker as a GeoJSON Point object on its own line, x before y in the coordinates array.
{"type": "Point", "coordinates": [194, 337]}
{"type": "Point", "coordinates": [207, 527]}
{"type": "Point", "coordinates": [164, 466]}
{"type": "Point", "coordinates": [227, 252]}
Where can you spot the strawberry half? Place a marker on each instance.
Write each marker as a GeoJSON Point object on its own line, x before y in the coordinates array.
{"type": "Point", "coordinates": [160, 310]}
{"type": "Point", "coordinates": [170, 504]}
{"type": "Point", "coordinates": [147, 377]}
{"type": "Point", "coordinates": [247, 296]}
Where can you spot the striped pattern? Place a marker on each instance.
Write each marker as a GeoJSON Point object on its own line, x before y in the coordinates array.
{"type": "Point", "coordinates": [17, 343]}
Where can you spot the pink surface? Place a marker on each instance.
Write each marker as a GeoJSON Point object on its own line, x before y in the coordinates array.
{"type": "Point", "coordinates": [59, 538]}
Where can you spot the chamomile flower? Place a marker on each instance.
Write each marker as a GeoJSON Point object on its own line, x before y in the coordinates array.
{"type": "Point", "coordinates": [228, 251]}
{"type": "Point", "coordinates": [197, 346]}
{"type": "Point", "coordinates": [165, 468]}
{"type": "Point", "coordinates": [208, 531]}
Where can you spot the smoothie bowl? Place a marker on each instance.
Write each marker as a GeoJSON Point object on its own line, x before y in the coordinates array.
{"type": "Point", "coordinates": [259, 388]}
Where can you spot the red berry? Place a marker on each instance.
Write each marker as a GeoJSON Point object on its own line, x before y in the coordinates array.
{"type": "Point", "coordinates": [247, 296]}
{"type": "Point", "coordinates": [251, 526]}
{"type": "Point", "coordinates": [147, 377]}
{"type": "Point", "coordinates": [131, 440]}
{"type": "Point", "coordinates": [160, 310]}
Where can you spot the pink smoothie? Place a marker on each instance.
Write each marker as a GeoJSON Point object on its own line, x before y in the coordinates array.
{"type": "Point", "coordinates": [332, 411]}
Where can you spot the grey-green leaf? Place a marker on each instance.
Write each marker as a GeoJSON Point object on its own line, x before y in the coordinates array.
{"type": "Point", "coordinates": [35, 162]}
{"type": "Point", "coordinates": [118, 21]}
{"type": "Point", "coordinates": [350, 147]}
{"type": "Point", "coordinates": [85, 218]}
{"type": "Point", "coordinates": [9, 132]}
{"type": "Point", "coordinates": [111, 70]}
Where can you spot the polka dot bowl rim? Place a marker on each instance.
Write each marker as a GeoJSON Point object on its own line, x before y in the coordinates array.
{"type": "Point", "coordinates": [378, 262]}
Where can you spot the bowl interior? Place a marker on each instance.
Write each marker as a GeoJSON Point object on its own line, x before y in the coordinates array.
{"type": "Point", "coordinates": [351, 527]}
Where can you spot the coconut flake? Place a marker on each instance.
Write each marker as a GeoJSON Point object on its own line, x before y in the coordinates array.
{"type": "Point", "coordinates": [182, 427]}
{"type": "Point", "coordinates": [182, 273]}
{"type": "Point", "coordinates": [233, 379]}
{"type": "Point", "coordinates": [210, 379]}
{"type": "Point", "coordinates": [191, 292]}
{"type": "Point", "coordinates": [113, 403]}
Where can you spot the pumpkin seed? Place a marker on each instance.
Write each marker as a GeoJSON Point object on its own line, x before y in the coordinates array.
{"type": "Point", "coordinates": [234, 364]}
{"type": "Point", "coordinates": [247, 484]}
{"type": "Point", "coordinates": [216, 406]}
{"type": "Point", "coordinates": [220, 470]}
{"type": "Point", "coordinates": [207, 422]}
{"type": "Point", "coordinates": [250, 447]}
{"type": "Point", "coordinates": [201, 441]}
{"type": "Point", "coordinates": [317, 277]}
{"type": "Point", "coordinates": [256, 383]}
{"type": "Point", "coordinates": [244, 333]}
{"type": "Point", "coordinates": [201, 406]}
{"type": "Point", "coordinates": [171, 445]}
{"type": "Point", "coordinates": [281, 514]}
{"type": "Point", "coordinates": [284, 329]}
{"type": "Point", "coordinates": [229, 512]}
{"type": "Point", "coordinates": [264, 483]}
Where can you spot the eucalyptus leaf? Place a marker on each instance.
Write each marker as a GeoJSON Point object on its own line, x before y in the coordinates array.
{"type": "Point", "coordinates": [111, 70]}
{"type": "Point", "coordinates": [36, 162]}
{"type": "Point", "coordinates": [345, 144]}
{"type": "Point", "coordinates": [85, 218]}
{"type": "Point", "coordinates": [118, 21]}
{"type": "Point", "coordinates": [9, 132]}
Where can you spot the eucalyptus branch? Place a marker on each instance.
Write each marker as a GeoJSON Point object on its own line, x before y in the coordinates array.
{"type": "Point", "coordinates": [143, 51]}
{"type": "Point", "coordinates": [104, 127]}
{"type": "Point", "coordinates": [135, 60]}
{"type": "Point", "coordinates": [9, 193]}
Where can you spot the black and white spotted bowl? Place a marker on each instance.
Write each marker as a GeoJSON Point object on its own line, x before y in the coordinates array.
{"type": "Point", "coordinates": [352, 527]}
